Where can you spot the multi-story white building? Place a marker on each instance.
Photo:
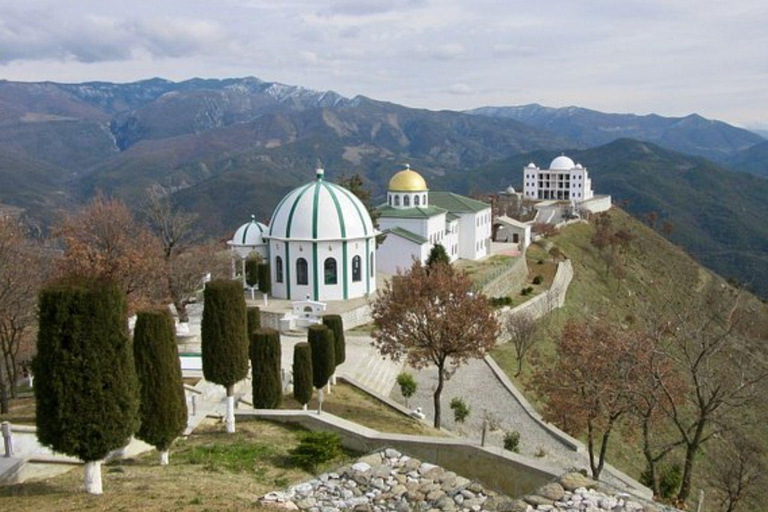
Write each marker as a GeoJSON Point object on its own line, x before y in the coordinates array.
{"type": "Point", "coordinates": [415, 220]}
{"type": "Point", "coordinates": [563, 181]}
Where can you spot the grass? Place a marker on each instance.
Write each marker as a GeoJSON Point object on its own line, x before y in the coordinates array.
{"type": "Point", "coordinates": [21, 411]}
{"type": "Point", "coordinates": [481, 272]}
{"type": "Point", "coordinates": [209, 471]}
{"type": "Point", "coordinates": [352, 404]}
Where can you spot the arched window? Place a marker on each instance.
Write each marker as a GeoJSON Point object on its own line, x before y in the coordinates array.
{"type": "Point", "coordinates": [416, 200]}
{"type": "Point", "coordinates": [302, 271]}
{"type": "Point", "coordinates": [389, 200]}
{"type": "Point", "coordinates": [330, 271]}
{"type": "Point", "coordinates": [357, 264]}
{"type": "Point", "coordinates": [424, 200]}
{"type": "Point", "coordinates": [370, 265]}
{"type": "Point", "coordinates": [278, 269]}
{"type": "Point", "coordinates": [406, 200]}
{"type": "Point", "coordinates": [397, 200]}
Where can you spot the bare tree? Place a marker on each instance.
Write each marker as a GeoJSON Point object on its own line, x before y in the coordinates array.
{"type": "Point", "coordinates": [433, 319]}
{"type": "Point", "coordinates": [523, 334]}
{"type": "Point", "coordinates": [174, 227]}
{"type": "Point", "coordinates": [186, 270]}
{"type": "Point", "coordinates": [739, 472]}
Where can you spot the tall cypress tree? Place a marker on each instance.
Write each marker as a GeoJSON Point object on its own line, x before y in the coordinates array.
{"type": "Point", "coordinates": [225, 339]}
{"type": "Point", "coordinates": [86, 387]}
{"type": "Point", "coordinates": [252, 271]}
{"type": "Point", "coordinates": [302, 373]}
{"type": "Point", "coordinates": [163, 405]}
{"type": "Point", "coordinates": [265, 279]}
{"type": "Point", "coordinates": [323, 362]}
{"type": "Point", "coordinates": [254, 319]}
{"type": "Point", "coordinates": [265, 364]}
{"type": "Point", "coordinates": [336, 324]}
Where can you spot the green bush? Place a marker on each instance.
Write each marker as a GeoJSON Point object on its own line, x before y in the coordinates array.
{"type": "Point", "coordinates": [540, 262]}
{"type": "Point", "coordinates": [252, 271]}
{"type": "Point", "coordinates": [512, 441]}
{"type": "Point", "coordinates": [86, 390]}
{"type": "Point", "coordinates": [265, 280]}
{"type": "Point", "coordinates": [254, 319]}
{"type": "Point", "coordinates": [407, 385]}
{"type": "Point", "coordinates": [538, 280]}
{"type": "Point", "coordinates": [265, 361]}
{"type": "Point", "coordinates": [316, 448]}
{"type": "Point", "coordinates": [460, 409]}
{"type": "Point", "coordinates": [163, 405]}
{"type": "Point", "coordinates": [498, 302]}
{"type": "Point", "coordinates": [526, 291]}
{"type": "Point", "coordinates": [670, 479]}
{"type": "Point", "coordinates": [302, 373]}
{"type": "Point", "coordinates": [336, 324]}
{"type": "Point", "coordinates": [320, 338]}
{"type": "Point", "coordinates": [438, 255]}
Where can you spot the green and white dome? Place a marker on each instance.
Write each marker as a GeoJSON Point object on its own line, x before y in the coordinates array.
{"type": "Point", "coordinates": [320, 211]}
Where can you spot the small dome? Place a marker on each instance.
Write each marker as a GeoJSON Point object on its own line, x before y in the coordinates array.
{"type": "Point", "coordinates": [562, 163]}
{"type": "Point", "coordinates": [249, 234]}
{"type": "Point", "coordinates": [510, 190]}
{"type": "Point", "coordinates": [578, 166]}
{"type": "Point", "coordinates": [320, 210]}
{"type": "Point", "coordinates": [407, 180]}
{"type": "Point", "coordinates": [531, 165]}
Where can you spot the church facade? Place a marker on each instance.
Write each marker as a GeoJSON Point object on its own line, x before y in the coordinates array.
{"type": "Point", "coordinates": [563, 181]}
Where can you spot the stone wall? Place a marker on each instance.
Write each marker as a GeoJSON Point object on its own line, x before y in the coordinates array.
{"type": "Point", "coordinates": [510, 280]}
{"type": "Point", "coordinates": [547, 301]}
{"type": "Point", "coordinates": [352, 318]}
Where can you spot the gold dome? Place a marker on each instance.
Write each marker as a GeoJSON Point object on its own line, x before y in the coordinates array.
{"type": "Point", "coordinates": [407, 180]}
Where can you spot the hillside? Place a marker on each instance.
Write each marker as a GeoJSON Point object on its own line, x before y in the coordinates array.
{"type": "Point", "coordinates": [659, 275]}
{"type": "Point", "coordinates": [718, 216]}
{"type": "Point", "coordinates": [692, 134]}
{"type": "Point", "coordinates": [753, 160]}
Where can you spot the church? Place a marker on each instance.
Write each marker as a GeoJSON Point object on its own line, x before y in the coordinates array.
{"type": "Point", "coordinates": [321, 241]}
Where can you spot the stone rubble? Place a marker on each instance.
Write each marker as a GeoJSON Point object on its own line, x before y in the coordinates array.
{"type": "Point", "coordinates": [391, 481]}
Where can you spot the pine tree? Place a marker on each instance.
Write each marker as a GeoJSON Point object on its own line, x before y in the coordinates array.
{"type": "Point", "coordinates": [438, 255]}
{"type": "Point", "coordinates": [254, 319]}
{"type": "Point", "coordinates": [163, 405]}
{"type": "Point", "coordinates": [323, 359]}
{"type": "Point", "coordinates": [265, 362]}
{"type": "Point", "coordinates": [86, 387]}
{"type": "Point", "coordinates": [224, 339]}
{"type": "Point", "coordinates": [265, 283]}
{"type": "Point", "coordinates": [302, 373]}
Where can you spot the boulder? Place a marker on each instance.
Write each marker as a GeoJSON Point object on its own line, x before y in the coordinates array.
{"type": "Point", "coordinates": [572, 481]}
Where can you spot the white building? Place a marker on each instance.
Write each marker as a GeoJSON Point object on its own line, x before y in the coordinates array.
{"type": "Point", "coordinates": [563, 181]}
{"type": "Point", "coordinates": [321, 244]}
{"type": "Point", "coordinates": [415, 220]}
{"type": "Point", "coordinates": [248, 239]}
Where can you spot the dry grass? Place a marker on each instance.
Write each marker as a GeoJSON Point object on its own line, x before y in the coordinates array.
{"type": "Point", "coordinates": [210, 471]}
{"type": "Point", "coordinates": [354, 405]}
{"type": "Point", "coordinates": [22, 411]}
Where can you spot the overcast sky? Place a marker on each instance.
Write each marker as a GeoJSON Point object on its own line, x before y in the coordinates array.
{"type": "Point", "coordinates": [672, 57]}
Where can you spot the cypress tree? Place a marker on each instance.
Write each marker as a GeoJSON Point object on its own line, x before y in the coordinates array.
{"type": "Point", "coordinates": [265, 280]}
{"type": "Point", "coordinates": [86, 391]}
{"type": "Point", "coordinates": [323, 359]}
{"type": "Point", "coordinates": [302, 373]}
{"type": "Point", "coordinates": [254, 319]}
{"type": "Point", "coordinates": [336, 324]}
{"type": "Point", "coordinates": [252, 271]}
{"type": "Point", "coordinates": [438, 255]}
{"type": "Point", "coordinates": [267, 375]}
{"type": "Point", "coordinates": [162, 404]}
{"type": "Point", "coordinates": [225, 339]}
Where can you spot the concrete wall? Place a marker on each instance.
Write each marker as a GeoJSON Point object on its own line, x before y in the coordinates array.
{"type": "Point", "coordinates": [510, 281]}
{"type": "Point", "coordinates": [495, 468]}
{"type": "Point", "coordinates": [352, 318]}
{"type": "Point", "coordinates": [597, 204]}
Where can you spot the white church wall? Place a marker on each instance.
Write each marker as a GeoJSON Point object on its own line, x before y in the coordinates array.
{"type": "Point", "coordinates": [397, 253]}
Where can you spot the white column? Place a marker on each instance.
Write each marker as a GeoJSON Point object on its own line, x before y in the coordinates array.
{"type": "Point", "coordinates": [93, 477]}
{"type": "Point", "coordinates": [164, 457]}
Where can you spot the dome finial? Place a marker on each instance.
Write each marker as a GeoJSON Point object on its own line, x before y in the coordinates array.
{"type": "Point", "coordinates": [253, 218]}
{"type": "Point", "coordinates": [320, 173]}
{"type": "Point", "coordinates": [408, 166]}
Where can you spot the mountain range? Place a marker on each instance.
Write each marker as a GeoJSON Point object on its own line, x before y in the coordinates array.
{"type": "Point", "coordinates": [230, 148]}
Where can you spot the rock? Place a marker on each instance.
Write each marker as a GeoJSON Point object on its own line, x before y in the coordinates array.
{"type": "Point", "coordinates": [553, 491]}
{"type": "Point", "coordinates": [519, 506]}
{"type": "Point", "coordinates": [306, 503]}
{"type": "Point", "coordinates": [434, 473]}
{"type": "Point", "coordinates": [412, 464]}
{"type": "Point", "coordinates": [399, 490]}
{"type": "Point", "coordinates": [572, 481]}
{"type": "Point", "coordinates": [536, 500]}
{"type": "Point", "coordinates": [391, 453]}
{"type": "Point", "coordinates": [381, 471]}
{"type": "Point", "coordinates": [446, 504]}
{"type": "Point", "coordinates": [361, 467]}
{"type": "Point", "coordinates": [425, 466]}
{"type": "Point", "coordinates": [435, 495]}
{"type": "Point", "coordinates": [468, 494]}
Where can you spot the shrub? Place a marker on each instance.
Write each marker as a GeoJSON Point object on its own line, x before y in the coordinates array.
{"type": "Point", "coordinates": [670, 479]}
{"type": "Point", "coordinates": [254, 319]}
{"type": "Point", "coordinates": [460, 409]}
{"type": "Point", "coordinates": [526, 291]}
{"type": "Point", "coordinates": [163, 405]}
{"type": "Point", "coordinates": [316, 448]}
{"type": "Point", "coordinates": [252, 271]}
{"type": "Point", "coordinates": [512, 441]}
{"type": "Point", "coordinates": [438, 255]}
{"type": "Point", "coordinates": [265, 279]}
{"type": "Point", "coordinates": [540, 262]}
{"type": "Point", "coordinates": [407, 385]}
{"type": "Point", "coordinates": [498, 302]}
{"type": "Point", "coordinates": [336, 324]}
{"type": "Point", "coordinates": [265, 361]}
{"type": "Point", "coordinates": [320, 338]}
{"type": "Point", "coordinates": [302, 373]}
{"type": "Point", "coordinates": [538, 280]}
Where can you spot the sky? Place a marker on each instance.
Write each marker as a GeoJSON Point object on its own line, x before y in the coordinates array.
{"type": "Point", "coordinates": [671, 57]}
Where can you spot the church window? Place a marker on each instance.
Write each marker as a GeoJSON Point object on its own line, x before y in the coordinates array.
{"type": "Point", "coordinates": [389, 200]}
{"type": "Point", "coordinates": [416, 200]}
{"type": "Point", "coordinates": [397, 200]}
{"type": "Point", "coordinates": [302, 271]}
{"type": "Point", "coordinates": [357, 264]}
{"type": "Point", "coordinates": [424, 199]}
{"type": "Point", "coordinates": [278, 269]}
{"type": "Point", "coordinates": [406, 201]}
{"type": "Point", "coordinates": [331, 273]}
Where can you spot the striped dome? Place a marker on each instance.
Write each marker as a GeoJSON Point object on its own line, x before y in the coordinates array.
{"type": "Point", "coordinates": [320, 211]}
{"type": "Point", "coordinates": [250, 234]}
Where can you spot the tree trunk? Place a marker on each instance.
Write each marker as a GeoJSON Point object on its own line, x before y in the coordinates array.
{"type": "Point", "coordinates": [230, 410]}
{"type": "Point", "coordinates": [164, 457]}
{"type": "Point", "coordinates": [519, 365]}
{"type": "Point", "coordinates": [319, 400]}
{"type": "Point", "coordinates": [649, 460]}
{"type": "Point", "coordinates": [603, 450]}
{"type": "Point", "coordinates": [438, 392]}
{"type": "Point", "coordinates": [591, 448]}
{"type": "Point", "coordinates": [690, 453]}
{"type": "Point", "coordinates": [4, 405]}
{"type": "Point", "coordinates": [93, 477]}
{"type": "Point", "coordinates": [181, 309]}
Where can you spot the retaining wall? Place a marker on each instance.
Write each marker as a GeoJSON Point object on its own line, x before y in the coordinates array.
{"type": "Point", "coordinates": [494, 467]}
{"type": "Point", "coordinates": [547, 301]}
{"type": "Point", "coordinates": [510, 280]}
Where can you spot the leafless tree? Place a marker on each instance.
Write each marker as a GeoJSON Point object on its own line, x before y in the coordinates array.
{"type": "Point", "coordinates": [523, 334]}
{"type": "Point", "coordinates": [738, 473]}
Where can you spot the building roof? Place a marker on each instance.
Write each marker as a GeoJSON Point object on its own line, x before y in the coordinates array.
{"type": "Point", "coordinates": [407, 180]}
{"type": "Point", "coordinates": [509, 221]}
{"type": "Point", "coordinates": [320, 210]}
{"type": "Point", "coordinates": [408, 235]}
{"type": "Point", "coordinates": [450, 217]}
{"type": "Point", "coordinates": [249, 234]}
{"type": "Point", "coordinates": [562, 163]}
{"type": "Point", "coordinates": [455, 203]}
{"type": "Point", "coordinates": [417, 212]}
